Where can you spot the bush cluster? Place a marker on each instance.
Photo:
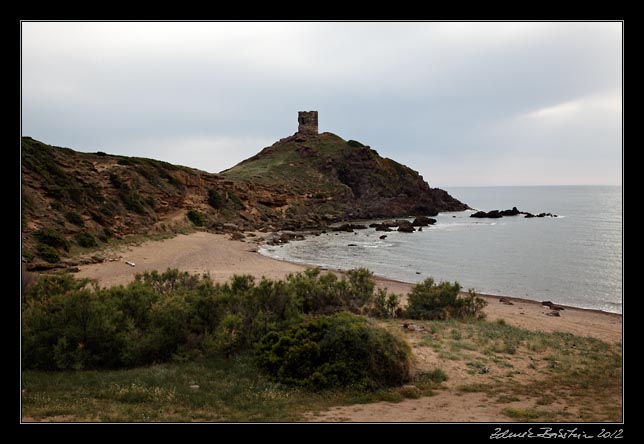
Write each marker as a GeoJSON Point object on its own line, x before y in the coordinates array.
{"type": "Point", "coordinates": [197, 218]}
{"type": "Point", "coordinates": [48, 254]}
{"type": "Point", "coordinates": [74, 218]}
{"type": "Point", "coordinates": [336, 350]}
{"type": "Point", "coordinates": [52, 238]}
{"type": "Point", "coordinates": [214, 199]}
{"type": "Point", "coordinates": [303, 330]}
{"type": "Point", "coordinates": [161, 316]}
{"type": "Point", "coordinates": [428, 300]}
{"type": "Point", "coordinates": [85, 240]}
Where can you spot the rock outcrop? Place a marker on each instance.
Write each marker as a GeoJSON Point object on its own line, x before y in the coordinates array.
{"type": "Point", "coordinates": [495, 214]}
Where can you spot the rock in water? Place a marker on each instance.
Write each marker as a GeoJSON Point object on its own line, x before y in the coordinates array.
{"type": "Point", "coordinates": [405, 227]}
{"type": "Point", "coordinates": [423, 221]}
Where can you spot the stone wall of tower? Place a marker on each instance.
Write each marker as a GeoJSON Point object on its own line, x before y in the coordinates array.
{"type": "Point", "coordinates": [307, 122]}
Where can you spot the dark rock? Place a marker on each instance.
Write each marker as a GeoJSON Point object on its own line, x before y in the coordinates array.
{"type": "Point", "coordinates": [352, 245]}
{"type": "Point", "coordinates": [406, 227]}
{"type": "Point", "coordinates": [423, 221]}
{"type": "Point", "coordinates": [237, 236]}
{"type": "Point", "coordinates": [490, 214]}
{"type": "Point", "coordinates": [553, 313]}
{"type": "Point", "coordinates": [384, 236]}
{"type": "Point", "coordinates": [389, 223]}
{"type": "Point", "coordinates": [374, 225]}
{"type": "Point", "coordinates": [528, 215]}
{"type": "Point", "coordinates": [383, 227]}
{"type": "Point", "coordinates": [512, 212]}
{"type": "Point", "coordinates": [420, 228]}
{"type": "Point", "coordinates": [349, 227]}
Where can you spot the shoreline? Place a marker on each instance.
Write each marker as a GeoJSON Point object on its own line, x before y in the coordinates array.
{"type": "Point", "coordinates": [221, 258]}
{"type": "Point", "coordinates": [396, 283]}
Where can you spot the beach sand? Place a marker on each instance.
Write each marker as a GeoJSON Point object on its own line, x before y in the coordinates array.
{"type": "Point", "coordinates": [221, 257]}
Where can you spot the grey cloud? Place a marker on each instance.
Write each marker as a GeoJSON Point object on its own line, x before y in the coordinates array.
{"type": "Point", "coordinates": [442, 97]}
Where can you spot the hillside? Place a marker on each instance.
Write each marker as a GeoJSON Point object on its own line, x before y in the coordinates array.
{"type": "Point", "coordinates": [344, 176]}
{"type": "Point", "coordinates": [73, 201]}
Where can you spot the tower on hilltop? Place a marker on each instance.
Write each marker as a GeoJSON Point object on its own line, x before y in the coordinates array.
{"type": "Point", "coordinates": [307, 122]}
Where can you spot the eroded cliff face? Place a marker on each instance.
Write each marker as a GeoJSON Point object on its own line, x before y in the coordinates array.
{"type": "Point", "coordinates": [302, 181]}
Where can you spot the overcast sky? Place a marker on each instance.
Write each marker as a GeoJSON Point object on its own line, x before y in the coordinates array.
{"type": "Point", "coordinates": [462, 103]}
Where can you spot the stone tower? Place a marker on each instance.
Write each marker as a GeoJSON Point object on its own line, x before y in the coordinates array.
{"type": "Point", "coordinates": [307, 122]}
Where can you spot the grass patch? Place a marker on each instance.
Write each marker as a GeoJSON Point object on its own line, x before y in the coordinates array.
{"type": "Point", "coordinates": [475, 388]}
{"type": "Point", "coordinates": [533, 415]}
{"type": "Point", "coordinates": [503, 399]}
{"type": "Point", "coordinates": [228, 390]}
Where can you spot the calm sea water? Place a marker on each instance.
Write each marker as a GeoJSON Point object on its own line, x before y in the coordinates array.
{"type": "Point", "coordinates": [575, 259]}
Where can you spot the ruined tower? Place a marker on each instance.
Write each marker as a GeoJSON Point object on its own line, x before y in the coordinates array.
{"type": "Point", "coordinates": [307, 122]}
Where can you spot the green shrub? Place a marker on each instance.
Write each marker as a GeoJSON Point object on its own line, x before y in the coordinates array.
{"type": "Point", "coordinates": [74, 218]}
{"type": "Point", "coordinates": [339, 350]}
{"type": "Point", "coordinates": [428, 300]}
{"type": "Point", "coordinates": [132, 201]}
{"type": "Point", "coordinates": [48, 253]}
{"type": "Point", "coordinates": [85, 240]}
{"type": "Point", "coordinates": [55, 205]}
{"type": "Point", "coordinates": [214, 199]}
{"type": "Point", "coordinates": [197, 218]}
{"type": "Point", "coordinates": [318, 293]}
{"type": "Point", "coordinates": [385, 305]}
{"type": "Point", "coordinates": [236, 201]}
{"type": "Point", "coordinates": [354, 144]}
{"type": "Point", "coordinates": [227, 338]}
{"type": "Point", "coordinates": [52, 238]}
{"type": "Point", "coordinates": [72, 330]}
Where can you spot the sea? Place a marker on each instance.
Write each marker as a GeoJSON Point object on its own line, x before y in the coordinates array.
{"type": "Point", "coordinates": [574, 259]}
